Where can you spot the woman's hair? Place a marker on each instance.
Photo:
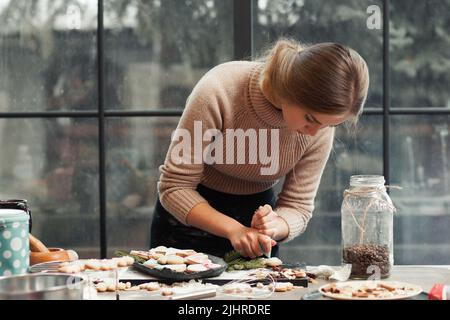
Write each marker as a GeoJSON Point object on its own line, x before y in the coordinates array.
{"type": "Point", "coordinates": [326, 77]}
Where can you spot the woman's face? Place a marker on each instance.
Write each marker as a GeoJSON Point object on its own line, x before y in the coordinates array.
{"type": "Point", "coordinates": [308, 122]}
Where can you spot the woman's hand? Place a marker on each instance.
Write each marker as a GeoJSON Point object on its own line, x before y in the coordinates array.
{"type": "Point", "coordinates": [250, 243]}
{"type": "Point", "coordinates": [268, 222]}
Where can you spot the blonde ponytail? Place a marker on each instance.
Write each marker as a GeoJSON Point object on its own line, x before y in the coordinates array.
{"type": "Point", "coordinates": [326, 77]}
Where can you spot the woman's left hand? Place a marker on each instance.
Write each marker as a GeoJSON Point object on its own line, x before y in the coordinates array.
{"type": "Point", "coordinates": [268, 222]}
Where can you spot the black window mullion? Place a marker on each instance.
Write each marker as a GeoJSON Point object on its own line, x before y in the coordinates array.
{"type": "Point", "coordinates": [177, 112]}
{"type": "Point", "coordinates": [412, 111]}
{"type": "Point", "coordinates": [386, 92]}
{"type": "Point", "coordinates": [101, 131]}
{"type": "Point", "coordinates": [50, 114]}
{"type": "Point", "coordinates": [145, 113]}
{"type": "Point", "coordinates": [242, 29]}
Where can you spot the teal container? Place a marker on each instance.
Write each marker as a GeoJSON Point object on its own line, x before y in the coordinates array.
{"type": "Point", "coordinates": [14, 242]}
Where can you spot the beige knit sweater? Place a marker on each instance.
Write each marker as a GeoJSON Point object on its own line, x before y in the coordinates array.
{"type": "Point", "coordinates": [229, 97]}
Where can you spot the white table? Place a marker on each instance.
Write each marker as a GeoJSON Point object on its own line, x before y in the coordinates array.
{"type": "Point", "coordinates": [425, 276]}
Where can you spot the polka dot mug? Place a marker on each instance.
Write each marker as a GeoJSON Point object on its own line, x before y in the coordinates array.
{"type": "Point", "coordinates": [14, 242]}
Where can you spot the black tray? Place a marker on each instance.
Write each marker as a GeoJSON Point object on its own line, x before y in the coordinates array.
{"type": "Point", "coordinates": [167, 274]}
{"type": "Point", "coordinates": [301, 282]}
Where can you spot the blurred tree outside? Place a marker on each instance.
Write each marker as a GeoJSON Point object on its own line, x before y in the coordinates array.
{"type": "Point", "coordinates": [420, 41]}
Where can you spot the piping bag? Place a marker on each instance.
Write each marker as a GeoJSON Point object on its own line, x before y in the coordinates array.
{"type": "Point", "coordinates": [265, 254]}
{"type": "Point", "coordinates": [269, 253]}
{"type": "Point", "coordinates": [268, 209]}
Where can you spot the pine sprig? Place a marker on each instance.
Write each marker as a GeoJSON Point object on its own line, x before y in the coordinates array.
{"type": "Point", "coordinates": [236, 262]}
{"type": "Point", "coordinates": [121, 253]}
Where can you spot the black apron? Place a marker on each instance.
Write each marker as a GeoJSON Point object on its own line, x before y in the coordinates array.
{"type": "Point", "coordinates": [167, 231]}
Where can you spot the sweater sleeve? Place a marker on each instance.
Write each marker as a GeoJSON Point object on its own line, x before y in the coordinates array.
{"type": "Point", "coordinates": [295, 202]}
{"type": "Point", "coordinates": [183, 166]}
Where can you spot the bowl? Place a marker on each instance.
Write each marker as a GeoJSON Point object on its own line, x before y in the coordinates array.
{"type": "Point", "coordinates": [55, 254]}
{"type": "Point", "coordinates": [43, 287]}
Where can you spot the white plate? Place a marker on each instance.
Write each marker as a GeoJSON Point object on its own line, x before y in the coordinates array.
{"type": "Point", "coordinates": [412, 290]}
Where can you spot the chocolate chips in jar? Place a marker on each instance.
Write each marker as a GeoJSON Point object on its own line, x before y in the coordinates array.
{"type": "Point", "coordinates": [367, 227]}
{"type": "Point", "coordinates": [362, 256]}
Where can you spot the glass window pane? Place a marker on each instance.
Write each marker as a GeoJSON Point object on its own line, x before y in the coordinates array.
{"type": "Point", "coordinates": [156, 51]}
{"type": "Point", "coordinates": [53, 163]}
{"type": "Point", "coordinates": [420, 154]}
{"type": "Point", "coordinates": [48, 55]}
{"type": "Point", "coordinates": [359, 152]}
{"type": "Point", "coordinates": [136, 147]}
{"type": "Point", "coordinates": [420, 51]}
{"type": "Point", "coordinates": [312, 21]}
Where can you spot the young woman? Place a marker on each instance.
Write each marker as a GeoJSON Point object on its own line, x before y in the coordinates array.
{"type": "Point", "coordinates": [290, 101]}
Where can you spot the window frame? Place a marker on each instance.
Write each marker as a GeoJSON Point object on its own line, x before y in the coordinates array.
{"type": "Point", "coordinates": [243, 13]}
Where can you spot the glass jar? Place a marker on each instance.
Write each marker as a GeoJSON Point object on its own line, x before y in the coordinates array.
{"type": "Point", "coordinates": [367, 228]}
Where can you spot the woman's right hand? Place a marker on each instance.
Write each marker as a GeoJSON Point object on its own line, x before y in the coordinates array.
{"type": "Point", "coordinates": [250, 243]}
{"type": "Point", "coordinates": [247, 241]}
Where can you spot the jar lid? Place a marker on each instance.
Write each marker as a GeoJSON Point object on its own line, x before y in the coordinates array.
{"type": "Point", "coordinates": [13, 215]}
